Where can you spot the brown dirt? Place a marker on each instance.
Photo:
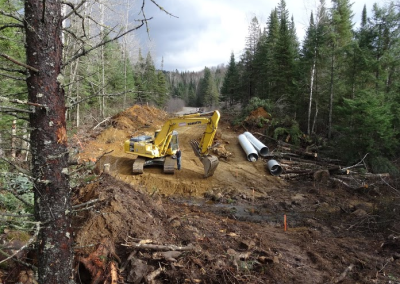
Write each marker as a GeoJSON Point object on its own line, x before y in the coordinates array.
{"type": "Point", "coordinates": [233, 220]}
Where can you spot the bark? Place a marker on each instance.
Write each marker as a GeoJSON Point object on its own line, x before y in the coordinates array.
{"type": "Point", "coordinates": [43, 24]}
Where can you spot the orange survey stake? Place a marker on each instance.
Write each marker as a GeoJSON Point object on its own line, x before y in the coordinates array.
{"type": "Point", "coordinates": [284, 222]}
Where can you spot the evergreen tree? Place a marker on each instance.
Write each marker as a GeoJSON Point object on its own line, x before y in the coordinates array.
{"type": "Point", "coordinates": [207, 93]}
{"type": "Point", "coordinates": [285, 55]}
{"type": "Point", "coordinates": [161, 89]}
{"type": "Point", "coordinates": [313, 65]}
{"type": "Point", "coordinates": [247, 60]}
{"type": "Point", "coordinates": [270, 66]}
{"type": "Point", "coordinates": [229, 89]}
{"type": "Point", "coordinates": [340, 37]}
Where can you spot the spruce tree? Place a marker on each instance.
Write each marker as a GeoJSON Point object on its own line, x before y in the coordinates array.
{"type": "Point", "coordinates": [229, 89]}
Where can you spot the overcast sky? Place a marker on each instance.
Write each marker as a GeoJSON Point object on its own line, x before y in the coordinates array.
{"type": "Point", "coordinates": [205, 32]}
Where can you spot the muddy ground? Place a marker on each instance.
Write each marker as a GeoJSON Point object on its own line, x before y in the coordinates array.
{"type": "Point", "coordinates": [228, 228]}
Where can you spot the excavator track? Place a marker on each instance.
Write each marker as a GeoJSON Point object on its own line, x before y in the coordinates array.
{"type": "Point", "coordinates": [169, 165]}
{"type": "Point", "coordinates": [138, 166]}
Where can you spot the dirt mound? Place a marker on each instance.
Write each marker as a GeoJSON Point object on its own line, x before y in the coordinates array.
{"type": "Point", "coordinates": [257, 116]}
{"type": "Point", "coordinates": [138, 117]}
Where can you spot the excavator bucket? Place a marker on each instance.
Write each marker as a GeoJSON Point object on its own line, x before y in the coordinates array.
{"type": "Point", "coordinates": [210, 162]}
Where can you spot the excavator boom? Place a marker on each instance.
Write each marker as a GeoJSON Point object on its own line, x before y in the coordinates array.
{"type": "Point", "coordinates": [151, 151]}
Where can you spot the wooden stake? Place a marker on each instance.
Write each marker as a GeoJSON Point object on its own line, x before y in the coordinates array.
{"type": "Point", "coordinates": [284, 222]}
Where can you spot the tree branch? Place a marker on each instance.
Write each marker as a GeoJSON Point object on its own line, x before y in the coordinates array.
{"type": "Point", "coordinates": [84, 51]}
{"type": "Point", "coordinates": [4, 99]}
{"type": "Point", "coordinates": [13, 109]}
{"type": "Point", "coordinates": [11, 26]}
{"type": "Point", "coordinates": [21, 170]}
{"type": "Point", "coordinates": [73, 9]}
{"type": "Point", "coordinates": [31, 240]}
{"type": "Point", "coordinates": [10, 16]}
{"type": "Point", "coordinates": [14, 70]}
{"type": "Point", "coordinates": [12, 77]}
{"type": "Point", "coordinates": [19, 63]}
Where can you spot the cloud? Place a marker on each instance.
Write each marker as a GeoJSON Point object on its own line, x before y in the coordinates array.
{"type": "Point", "coordinates": [207, 31]}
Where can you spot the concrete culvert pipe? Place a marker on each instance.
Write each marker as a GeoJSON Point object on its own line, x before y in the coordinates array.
{"type": "Point", "coordinates": [258, 145]}
{"type": "Point", "coordinates": [274, 168]}
{"type": "Point", "coordinates": [251, 152]}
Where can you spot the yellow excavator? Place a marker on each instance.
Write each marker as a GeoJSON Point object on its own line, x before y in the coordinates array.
{"type": "Point", "coordinates": [161, 149]}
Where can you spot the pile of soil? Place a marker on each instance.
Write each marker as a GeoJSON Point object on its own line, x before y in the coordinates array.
{"type": "Point", "coordinates": [228, 228]}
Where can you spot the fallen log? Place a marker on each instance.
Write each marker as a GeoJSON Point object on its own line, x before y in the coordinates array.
{"type": "Point", "coordinates": [159, 247]}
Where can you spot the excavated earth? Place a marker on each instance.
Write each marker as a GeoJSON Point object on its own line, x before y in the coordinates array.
{"type": "Point", "coordinates": [231, 225]}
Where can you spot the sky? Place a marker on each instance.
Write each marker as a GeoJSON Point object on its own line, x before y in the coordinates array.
{"type": "Point", "coordinates": [206, 32]}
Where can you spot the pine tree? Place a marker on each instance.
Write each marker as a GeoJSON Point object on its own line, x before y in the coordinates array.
{"type": "Point", "coordinates": [340, 37]}
{"type": "Point", "coordinates": [207, 93]}
{"type": "Point", "coordinates": [229, 89]}
{"type": "Point", "coordinates": [247, 60]}
{"type": "Point", "coordinates": [285, 58]}
{"type": "Point", "coordinates": [313, 65]}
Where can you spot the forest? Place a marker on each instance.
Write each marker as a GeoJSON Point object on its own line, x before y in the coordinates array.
{"type": "Point", "coordinates": [69, 65]}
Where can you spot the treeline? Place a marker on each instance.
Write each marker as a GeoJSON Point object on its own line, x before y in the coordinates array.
{"type": "Point", "coordinates": [340, 84]}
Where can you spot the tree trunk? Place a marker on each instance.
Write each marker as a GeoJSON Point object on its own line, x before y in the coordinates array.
{"type": "Point", "coordinates": [43, 24]}
{"type": "Point", "coordinates": [311, 93]}
{"type": "Point", "coordinates": [331, 90]}
{"type": "Point", "coordinates": [13, 140]}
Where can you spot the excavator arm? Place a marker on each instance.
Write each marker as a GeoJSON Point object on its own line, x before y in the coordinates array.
{"type": "Point", "coordinates": [202, 149]}
{"type": "Point", "coordinates": [148, 148]}
{"type": "Point", "coordinates": [210, 119]}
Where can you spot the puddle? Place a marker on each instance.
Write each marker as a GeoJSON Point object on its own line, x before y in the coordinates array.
{"type": "Point", "coordinates": [254, 213]}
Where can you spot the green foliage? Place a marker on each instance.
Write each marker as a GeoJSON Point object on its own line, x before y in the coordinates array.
{"type": "Point", "coordinates": [230, 87]}
{"type": "Point", "coordinates": [255, 103]}
{"type": "Point", "coordinates": [381, 164]}
{"type": "Point", "coordinates": [365, 128]}
{"type": "Point", "coordinates": [207, 94]}
{"type": "Point", "coordinates": [287, 129]}
{"type": "Point", "coordinates": [15, 184]}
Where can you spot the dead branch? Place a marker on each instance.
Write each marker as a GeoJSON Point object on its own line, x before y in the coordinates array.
{"type": "Point", "coordinates": [19, 63]}
{"type": "Point", "coordinates": [162, 9]}
{"type": "Point", "coordinates": [28, 243]}
{"type": "Point", "coordinates": [101, 122]}
{"type": "Point", "coordinates": [17, 215]}
{"type": "Point", "coordinates": [150, 278]}
{"type": "Point", "coordinates": [14, 70]}
{"type": "Point", "coordinates": [159, 247]}
{"type": "Point", "coordinates": [344, 273]}
{"type": "Point", "coordinates": [73, 9]}
{"type": "Point", "coordinates": [358, 165]}
{"type": "Point", "coordinates": [12, 77]}
{"type": "Point", "coordinates": [102, 155]}
{"type": "Point", "coordinates": [5, 99]}
{"type": "Point", "coordinates": [85, 204]}
{"type": "Point", "coordinates": [15, 17]}
{"type": "Point", "coordinates": [21, 170]}
{"type": "Point", "coordinates": [84, 51]}
{"type": "Point", "coordinates": [362, 186]}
